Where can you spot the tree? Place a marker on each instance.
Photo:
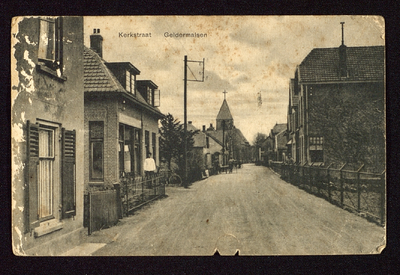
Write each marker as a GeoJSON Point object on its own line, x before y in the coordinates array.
{"type": "Point", "coordinates": [172, 143]}
{"type": "Point", "coordinates": [169, 132]}
{"type": "Point", "coordinates": [259, 139]}
{"type": "Point", "coordinates": [351, 120]}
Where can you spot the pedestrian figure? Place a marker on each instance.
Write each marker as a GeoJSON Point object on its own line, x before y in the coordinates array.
{"type": "Point", "coordinates": [230, 164]}
{"type": "Point", "coordinates": [149, 168]}
{"type": "Point", "coordinates": [216, 167]}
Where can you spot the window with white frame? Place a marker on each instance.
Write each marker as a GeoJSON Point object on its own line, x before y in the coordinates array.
{"type": "Point", "coordinates": [45, 175]}
{"type": "Point", "coordinates": [130, 82]}
{"type": "Point", "coordinates": [50, 175]}
{"type": "Point", "coordinates": [96, 142]}
{"type": "Point", "coordinates": [150, 97]}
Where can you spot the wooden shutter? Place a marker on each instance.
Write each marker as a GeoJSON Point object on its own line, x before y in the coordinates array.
{"type": "Point", "coordinates": [68, 173]}
{"type": "Point", "coordinates": [31, 184]}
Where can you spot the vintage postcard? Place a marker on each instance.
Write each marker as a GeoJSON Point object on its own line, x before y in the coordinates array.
{"type": "Point", "coordinates": [198, 135]}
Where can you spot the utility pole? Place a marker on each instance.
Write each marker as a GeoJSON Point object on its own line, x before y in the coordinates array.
{"type": "Point", "coordinates": [185, 117]}
{"type": "Point", "coordinates": [185, 80]}
{"type": "Point", "coordinates": [342, 32]}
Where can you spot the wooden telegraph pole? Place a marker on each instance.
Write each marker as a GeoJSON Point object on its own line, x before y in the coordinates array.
{"type": "Point", "coordinates": [185, 80]}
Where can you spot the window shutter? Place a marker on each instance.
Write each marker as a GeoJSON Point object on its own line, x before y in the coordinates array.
{"type": "Point", "coordinates": [31, 184]}
{"type": "Point", "coordinates": [68, 173]}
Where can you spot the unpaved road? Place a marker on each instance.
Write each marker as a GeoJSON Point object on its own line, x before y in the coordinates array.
{"type": "Point", "coordinates": [251, 210]}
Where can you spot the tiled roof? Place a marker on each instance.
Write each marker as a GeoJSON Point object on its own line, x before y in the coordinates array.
{"type": "Point", "coordinates": [224, 112]}
{"type": "Point", "coordinates": [279, 128]}
{"type": "Point", "coordinates": [363, 64]}
{"type": "Point", "coordinates": [218, 135]}
{"type": "Point", "coordinates": [199, 138]}
{"type": "Point", "coordinates": [97, 77]}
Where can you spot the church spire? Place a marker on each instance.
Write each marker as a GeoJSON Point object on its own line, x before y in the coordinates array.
{"type": "Point", "coordinates": [224, 115]}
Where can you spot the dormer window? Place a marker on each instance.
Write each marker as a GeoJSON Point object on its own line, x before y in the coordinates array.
{"type": "Point", "coordinates": [149, 91]}
{"type": "Point", "coordinates": [130, 82]}
{"type": "Point", "coordinates": [126, 74]}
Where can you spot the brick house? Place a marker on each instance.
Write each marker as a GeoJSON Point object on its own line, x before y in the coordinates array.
{"type": "Point", "coordinates": [336, 107]}
{"type": "Point", "coordinates": [47, 134]}
{"type": "Point", "coordinates": [278, 136]}
{"type": "Point", "coordinates": [121, 118]}
{"type": "Point", "coordinates": [205, 150]}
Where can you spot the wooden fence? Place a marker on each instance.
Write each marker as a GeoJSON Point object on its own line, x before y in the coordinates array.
{"type": "Point", "coordinates": [357, 191]}
{"type": "Point", "coordinates": [102, 209]}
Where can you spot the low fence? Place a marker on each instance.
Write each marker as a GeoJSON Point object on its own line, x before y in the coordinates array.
{"type": "Point", "coordinates": [361, 192]}
{"type": "Point", "coordinates": [102, 210]}
{"type": "Point", "coordinates": [136, 191]}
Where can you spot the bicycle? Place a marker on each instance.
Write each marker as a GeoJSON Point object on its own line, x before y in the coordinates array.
{"type": "Point", "coordinates": [171, 177]}
{"type": "Point", "coordinates": [174, 179]}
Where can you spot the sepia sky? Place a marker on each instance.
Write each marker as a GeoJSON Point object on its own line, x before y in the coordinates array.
{"type": "Point", "coordinates": [243, 55]}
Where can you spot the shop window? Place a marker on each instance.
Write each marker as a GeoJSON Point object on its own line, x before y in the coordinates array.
{"type": "Point", "coordinates": [129, 149]}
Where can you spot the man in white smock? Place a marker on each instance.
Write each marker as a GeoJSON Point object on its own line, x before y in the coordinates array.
{"type": "Point", "coordinates": [149, 167]}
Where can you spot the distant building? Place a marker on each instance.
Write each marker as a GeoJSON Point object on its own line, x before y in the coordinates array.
{"type": "Point", "coordinates": [336, 107]}
{"type": "Point", "coordinates": [121, 118]}
{"type": "Point", "coordinates": [47, 135]}
{"type": "Point", "coordinates": [279, 140]}
{"type": "Point", "coordinates": [200, 156]}
{"type": "Point", "coordinates": [233, 143]}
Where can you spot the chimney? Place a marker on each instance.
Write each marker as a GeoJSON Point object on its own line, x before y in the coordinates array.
{"type": "Point", "coordinates": [204, 128]}
{"type": "Point", "coordinates": [342, 56]}
{"type": "Point", "coordinates": [96, 42]}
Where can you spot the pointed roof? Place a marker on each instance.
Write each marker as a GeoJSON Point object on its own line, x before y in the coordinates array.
{"type": "Point", "coordinates": [199, 138]}
{"type": "Point", "coordinates": [279, 128]}
{"type": "Point", "coordinates": [98, 78]}
{"type": "Point", "coordinates": [224, 112]}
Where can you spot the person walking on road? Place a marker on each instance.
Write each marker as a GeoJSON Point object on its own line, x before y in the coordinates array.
{"type": "Point", "coordinates": [230, 163]}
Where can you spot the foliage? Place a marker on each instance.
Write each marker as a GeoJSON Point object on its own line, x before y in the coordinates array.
{"type": "Point", "coordinates": [259, 140]}
{"type": "Point", "coordinates": [351, 119]}
{"type": "Point", "coordinates": [172, 142]}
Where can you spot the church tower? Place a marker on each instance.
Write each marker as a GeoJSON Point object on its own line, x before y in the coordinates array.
{"type": "Point", "coordinates": [224, 116]}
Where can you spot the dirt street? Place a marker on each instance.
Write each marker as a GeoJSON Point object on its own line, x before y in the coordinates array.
{"type": "Point", "coordinates": [251, 210]}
